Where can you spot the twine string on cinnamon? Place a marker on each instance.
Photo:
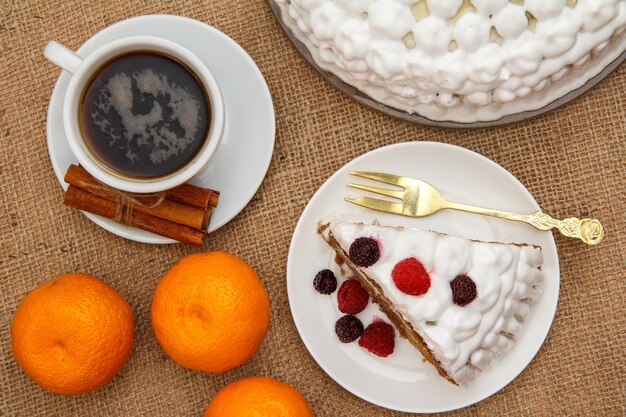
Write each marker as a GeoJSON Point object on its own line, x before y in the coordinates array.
{"type": "Point", "coordinates": [125, 200]}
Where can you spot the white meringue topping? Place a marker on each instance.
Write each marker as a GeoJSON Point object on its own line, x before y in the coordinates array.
{"type": "Point", "coordinates": [464, 339]}
{"type": "Point", "coordinates": [457, 60]}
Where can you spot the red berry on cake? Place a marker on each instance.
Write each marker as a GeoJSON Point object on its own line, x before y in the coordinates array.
{"type": "Point", "coordinates": [379, 338]}
{"type": "Point", "coordinates": [411, 277]}
{"type": "Point", "coordinates": [463, 290]}
{"type": "Point", "coordinates": [364, 252]}
{"type": "Point", "coordinates": [352, 298]}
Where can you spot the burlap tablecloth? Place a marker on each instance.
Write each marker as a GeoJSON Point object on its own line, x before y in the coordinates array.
{"type": "Point", "coordinates": [572, 161]}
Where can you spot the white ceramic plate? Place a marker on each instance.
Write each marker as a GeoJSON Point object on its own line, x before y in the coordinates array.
{"type": "Point", "coordinates": [243, 156]}
{"type": "Point", "coordinates": [402, 381]}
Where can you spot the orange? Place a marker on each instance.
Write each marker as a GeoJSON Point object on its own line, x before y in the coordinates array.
{"type": "Point", "coordinates": [210, 312]}
{"type": "Point", "coordinates": [72, 334]}
{"type": "Point", "coordinates": [258, 396]}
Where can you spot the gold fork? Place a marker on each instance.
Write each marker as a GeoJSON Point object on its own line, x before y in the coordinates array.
{"type": "Point", "coordinates": [421, 199]}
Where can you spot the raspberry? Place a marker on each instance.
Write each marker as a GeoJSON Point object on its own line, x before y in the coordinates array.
{"type": "Point", "coordinates": [352, 298]}
{"type": "Point", "coordinates": [348, 329]}
{"type": "Point", "coordinates": [463, 290]}
{"type": "Point", "coordinates": [411, 277]}
{"type": "Point", "coordinates": [325, 282]}
{"type": "Point", "coordinates": [378, 338]}
{"type": "Point", "coordinates": [364, 252]}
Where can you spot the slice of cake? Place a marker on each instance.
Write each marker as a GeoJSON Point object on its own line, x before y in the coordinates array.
{"type": "Point", "coordinates": [460, 60]}
{"type": "Point", "coordinates": [460, 302]}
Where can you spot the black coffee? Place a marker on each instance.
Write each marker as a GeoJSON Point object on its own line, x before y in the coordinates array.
{"type": "Point", "coordinates": [144, 115]}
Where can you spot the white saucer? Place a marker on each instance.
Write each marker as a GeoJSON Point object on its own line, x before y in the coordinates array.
{"type": "Point", "coordinates": [402, 381]}
{"type": "Point", "coordinates": [243, 156]}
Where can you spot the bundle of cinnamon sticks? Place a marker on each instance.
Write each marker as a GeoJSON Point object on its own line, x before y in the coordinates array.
{"type": "Point", "coordinates": [182, 213]}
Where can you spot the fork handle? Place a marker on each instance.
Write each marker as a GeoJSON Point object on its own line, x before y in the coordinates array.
{"type": "Point", "coordinates": [589, 231]}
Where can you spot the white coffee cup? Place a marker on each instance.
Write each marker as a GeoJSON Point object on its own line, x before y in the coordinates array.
{"type": "Point", "coordinates": [83, 70]}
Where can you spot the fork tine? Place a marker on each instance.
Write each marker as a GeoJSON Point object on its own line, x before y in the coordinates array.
{"type": "Point", "coordinates": [376, 204]}
{"type": "Point", "coordinates": [377, 190]}
{"type": "Point", "coordinates": [382, 177]}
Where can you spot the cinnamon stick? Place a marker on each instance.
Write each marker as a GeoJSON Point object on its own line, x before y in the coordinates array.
{"type": "Point", "coordinates": [82, 200]}
{"type": "Point", "coordinates": [207, 218]}
{"type": "Point", "coordinates": [168, 210]}
{"type": "Point", "coordinates": [194, 196]}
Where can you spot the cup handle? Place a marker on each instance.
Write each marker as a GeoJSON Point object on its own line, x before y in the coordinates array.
{"type": "Point", "coordinates": [62, 57]}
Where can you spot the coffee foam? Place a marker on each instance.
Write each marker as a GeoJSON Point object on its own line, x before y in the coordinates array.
{"type": "Point", "coordinates": [154, 129]}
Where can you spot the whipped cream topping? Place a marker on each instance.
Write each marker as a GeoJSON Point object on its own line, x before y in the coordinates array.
{"type": "Point", "coordinates": [468, 339]}
{"type": "Point", "coordinates": [444, 59]}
